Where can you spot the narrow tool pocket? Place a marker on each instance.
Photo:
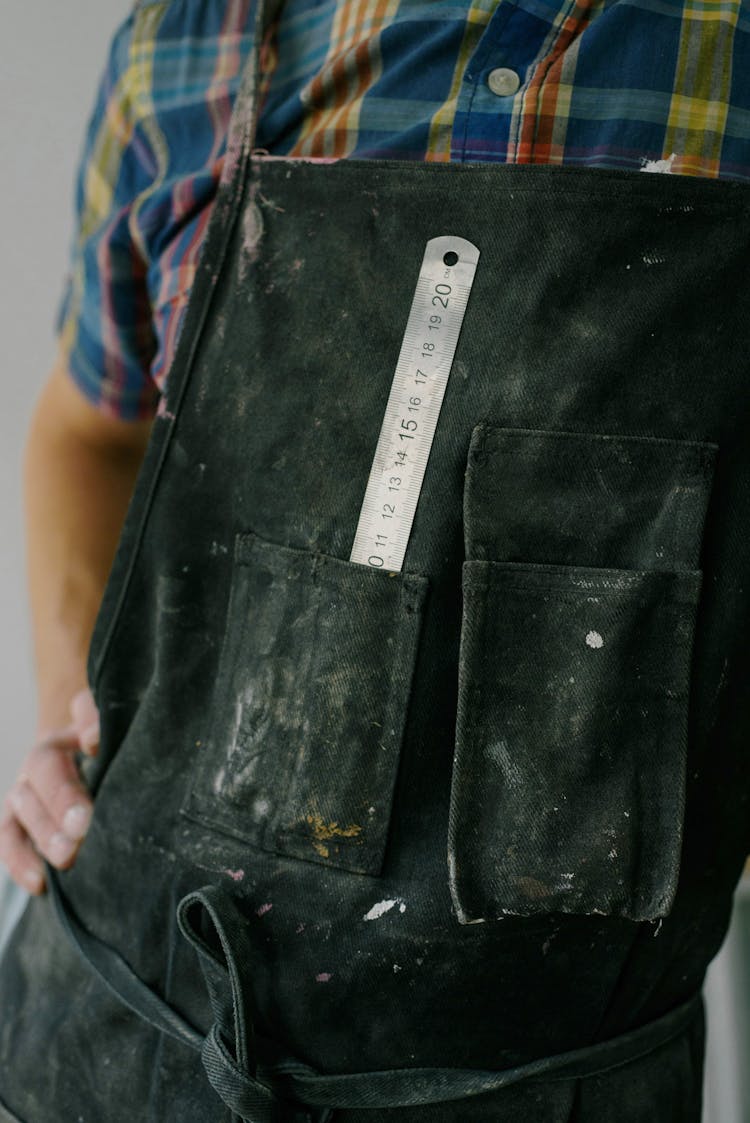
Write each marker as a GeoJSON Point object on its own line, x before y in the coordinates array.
{"type": "Point", "coordinates": [310, 704]}
{"type": "Point", "coordinates": [580, 591]}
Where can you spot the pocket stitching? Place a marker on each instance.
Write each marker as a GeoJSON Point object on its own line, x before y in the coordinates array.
{"type": "Point", "coordinates": [629, 900]}
{"type": "Point", "coordinates": [404, 645]}
{"type": "Point", "coordinates": [333, 572]}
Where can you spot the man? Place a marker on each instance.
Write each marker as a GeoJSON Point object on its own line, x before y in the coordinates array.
{"type": "Point", "coordinates": [493, 84]}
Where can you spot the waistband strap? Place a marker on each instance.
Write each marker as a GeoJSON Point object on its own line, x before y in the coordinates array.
{"type": "Point", "coordinates": [260, 1086]}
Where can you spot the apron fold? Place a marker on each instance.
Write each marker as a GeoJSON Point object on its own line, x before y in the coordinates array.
{"type": "Point", "coordinates": [458, 841]}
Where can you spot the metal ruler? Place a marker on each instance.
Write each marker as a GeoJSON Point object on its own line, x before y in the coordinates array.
{"type": "Point", "coordinates": [417, 392]}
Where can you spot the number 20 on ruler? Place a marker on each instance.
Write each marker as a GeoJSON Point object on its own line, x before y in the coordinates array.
{"type": "Point", "coordinates": [414, 402]}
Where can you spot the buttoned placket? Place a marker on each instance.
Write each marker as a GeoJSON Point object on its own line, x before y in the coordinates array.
{"type": "Point", "coordinates": [490, 100]}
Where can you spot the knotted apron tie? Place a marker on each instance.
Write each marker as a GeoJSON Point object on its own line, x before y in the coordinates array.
{"type": "Point", "coordinates": [260, 1086]}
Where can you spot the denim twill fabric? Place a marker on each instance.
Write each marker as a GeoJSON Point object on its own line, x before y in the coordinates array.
{"type": "Point", "coordinates": [360, 833]}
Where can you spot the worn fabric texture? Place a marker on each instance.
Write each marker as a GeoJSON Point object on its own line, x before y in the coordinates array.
{"type": "Point", "coordinates": [407, 79]}
{"type": "Point", "coordinates": [352, 825]}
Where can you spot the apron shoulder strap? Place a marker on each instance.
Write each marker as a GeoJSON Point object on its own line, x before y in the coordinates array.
{"type": "Point", "coordinates": [243, 124]}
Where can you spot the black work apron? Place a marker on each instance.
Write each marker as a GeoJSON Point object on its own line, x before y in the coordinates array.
{"type": "Point", "coordinates": [455, 843]}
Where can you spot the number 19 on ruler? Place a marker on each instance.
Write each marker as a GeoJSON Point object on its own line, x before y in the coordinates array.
{"type": "Point", "coordinates": [414, 402]}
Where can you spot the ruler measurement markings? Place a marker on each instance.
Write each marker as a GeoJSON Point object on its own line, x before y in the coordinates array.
{"type": "Point", "coordinates": [414, 402]}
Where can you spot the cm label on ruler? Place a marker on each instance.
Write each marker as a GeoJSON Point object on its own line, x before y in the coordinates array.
{"type": "Point", "coordinates": [411, 413]}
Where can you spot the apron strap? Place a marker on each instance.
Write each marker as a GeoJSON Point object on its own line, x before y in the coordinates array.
{"type": "Point", "coordinates": [116, 975]}
{"type": "Point", "coordinates": [243, 124]}
{"type": "Point", "coordinates": [288, 1091]}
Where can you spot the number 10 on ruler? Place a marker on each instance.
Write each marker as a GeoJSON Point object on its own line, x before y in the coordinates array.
{"type": "Point", "coordinates": [414, 402]}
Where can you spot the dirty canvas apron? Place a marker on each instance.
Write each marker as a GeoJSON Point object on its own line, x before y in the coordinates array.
{"type": "Point", "coordinates": [457, 842]}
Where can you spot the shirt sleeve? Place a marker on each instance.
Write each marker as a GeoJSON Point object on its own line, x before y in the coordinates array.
{"type": "Point", "coordinates": [148, 175]}
{"type": "Point", "coordinates": [104, 320]}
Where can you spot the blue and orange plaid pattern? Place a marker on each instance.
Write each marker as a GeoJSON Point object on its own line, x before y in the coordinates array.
{"type": "Point", "coordinates": [634, 84]}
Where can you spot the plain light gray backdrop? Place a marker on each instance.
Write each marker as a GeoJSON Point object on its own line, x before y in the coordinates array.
{"type": "Point", "coordinates": [51, 57]}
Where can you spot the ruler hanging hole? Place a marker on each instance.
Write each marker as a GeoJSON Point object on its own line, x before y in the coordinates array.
{"type": "Point", "coordinates": [416, 395]}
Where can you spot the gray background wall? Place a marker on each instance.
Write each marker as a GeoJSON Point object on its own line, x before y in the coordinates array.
{"type": "Point", "coordinates": [51, 55]}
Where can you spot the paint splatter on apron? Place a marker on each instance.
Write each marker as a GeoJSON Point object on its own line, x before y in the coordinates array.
{"type": "Point", "coordinates": [453, 843]}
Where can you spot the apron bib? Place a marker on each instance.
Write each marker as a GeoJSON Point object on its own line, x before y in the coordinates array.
{"type": "Point", "coordinates": [457, 842]}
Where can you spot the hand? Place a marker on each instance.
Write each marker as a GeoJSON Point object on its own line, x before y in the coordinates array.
{"type": "Point", "coordinates": [48, 810]}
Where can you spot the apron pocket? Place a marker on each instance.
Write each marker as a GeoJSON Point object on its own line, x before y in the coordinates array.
{"type": "Point", "coordinates": [568, 782]}
{"type": "Point", "coordinates": [581, 584]}
{"type": "Point", "coordinates": [310, 705]}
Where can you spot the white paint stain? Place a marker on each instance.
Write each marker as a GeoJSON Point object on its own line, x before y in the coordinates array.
{"type": "Point", "coordinates": [323, 977]}
{"type": "Point", "coordinates": [252, 232]}
{"type": "Point", "coordinates": [264, 909]}
{"type": "Point", "coordinates": [653, 259]}
{"type": "Point", "coordinates": [236, 875]}
{"type": "Point", "coordinates": [396, 968]}
{"type": "Point", "coordinates": [594, 639]}
{"type": "Point", "coordinates": [261, 155]}
{"type": "Point", "coordinates": [382, 907]}
{"type": "Point", "coordinates": [499, 752]}
{"type": "Point", "coordinates": [659, 165]}
{"type": "Point", "coordinates": [162, 411]}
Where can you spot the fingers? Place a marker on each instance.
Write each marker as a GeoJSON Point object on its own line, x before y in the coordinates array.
{"type": "Point", "coordinates": [19, 856]}
{"type": "Point", "coordinates": [85, 717]}
{"type": "Point", "coordinates": [51, 773]}
{"type": "Point", "coordinates": [46, 812]}
{"type": "Point", "coordinates": [39, 826]}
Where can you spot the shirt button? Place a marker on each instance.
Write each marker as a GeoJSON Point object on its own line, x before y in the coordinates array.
{"type": "Point", "coordinates": [503, 81]}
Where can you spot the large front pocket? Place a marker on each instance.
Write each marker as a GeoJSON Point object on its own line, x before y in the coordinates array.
{"type": "Point", "coordinates": [580, 590]}
{"type": "Point", "coordinates": [310, 705]}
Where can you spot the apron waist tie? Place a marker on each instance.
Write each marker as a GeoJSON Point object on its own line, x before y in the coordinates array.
{"type": "Point", "coordinates": [283, 1090]}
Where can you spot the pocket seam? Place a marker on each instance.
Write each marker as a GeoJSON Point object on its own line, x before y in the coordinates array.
{"type": "Point", "coordinates": [485, 582]}
{"type": "Point", "coordinates": [327, 575]}
{"type": "Point", "coordinates": [706, 449]}
{"type": "Point", "coordinates": [285, 832]}
{"type": "Point", "coordinates": [683, 478]}
{"type": "Point", "coordinates": [467, 892]}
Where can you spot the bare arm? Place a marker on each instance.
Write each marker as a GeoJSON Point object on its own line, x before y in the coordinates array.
{"type": "Point", "coordinates": [79, 470]}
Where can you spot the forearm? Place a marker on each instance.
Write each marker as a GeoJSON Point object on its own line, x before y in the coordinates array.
{"type": "Point", "coordinates": [79, 470]}
{"type": "Point", "coordinates": [77, 485]}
